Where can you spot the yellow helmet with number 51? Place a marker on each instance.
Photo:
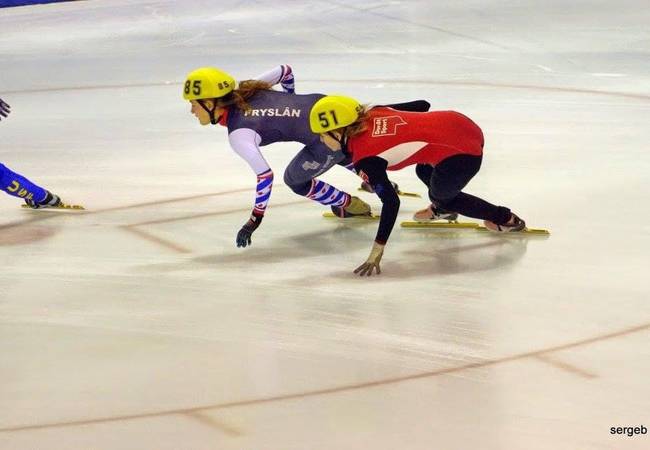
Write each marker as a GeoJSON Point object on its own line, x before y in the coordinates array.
{"type": "Point", "coordinates": [207, 82]}
{"type": "Point", "coordinates": [332, 112]}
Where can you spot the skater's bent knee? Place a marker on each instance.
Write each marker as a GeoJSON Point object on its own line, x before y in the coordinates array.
{"type": "Point", "coordinates": [442, 198]}
{"type": "Point", "coordinates": [300, 188]}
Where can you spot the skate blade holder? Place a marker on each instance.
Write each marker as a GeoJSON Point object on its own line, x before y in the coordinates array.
{"type": "Point", "coordinates": [62, 208]}
{"type": "Point", "coordinates": [400, 193]}
{"type": "Point", "coordinates": [331, 215]}
{"type": "Point", "coordinates": [474, 226]}
{"type": "Point", "coordinates": [439, 224]}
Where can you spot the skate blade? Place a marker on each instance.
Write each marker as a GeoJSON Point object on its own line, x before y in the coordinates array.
{"type": "Point", "coordinates": [414, 224]}
{"type": "Point", "coordinates": [536, 231]}
{"type": "Point", "coordinates": [62, 207]}
{"type": "Point", "coordinates": [331, 215]}
{"type": "Point", "coordinates": [408, 194]}
{"type": "Point", "coordinates": [400, 193]}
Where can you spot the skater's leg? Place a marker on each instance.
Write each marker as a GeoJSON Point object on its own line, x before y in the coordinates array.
{"type": "Point", "coordinates": [445, 181]}
{"type": "Point", "coordinates": [300, 175]}
{"type": "Point", "coordinates": [18, 186]}
{"type": "Point", "coordinates": [424, 171]}
{"type": "Point", "coordinates": [450, 177]}
{"type": "Point", "coordinates": [477, 208]}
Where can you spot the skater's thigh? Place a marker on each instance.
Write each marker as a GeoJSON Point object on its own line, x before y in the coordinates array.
{"type": "Point", "coordinates": [311, 161]}
{"type": "Point", "coordinates": [452, 174]}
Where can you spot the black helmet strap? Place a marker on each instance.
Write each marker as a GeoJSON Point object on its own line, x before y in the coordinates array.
{"type": "Point", "coordinates": [213, 120]}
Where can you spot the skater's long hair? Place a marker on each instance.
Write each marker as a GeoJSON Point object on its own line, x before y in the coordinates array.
{"type": "Point", "coordinates": [245, 90]}
{"type": "Point", "coordinates": [358, 126]}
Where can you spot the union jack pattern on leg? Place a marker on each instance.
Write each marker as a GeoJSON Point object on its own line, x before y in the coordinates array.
{"type": "Point", "coordinates": [264, 186]}
{"type": "Point", "coordinates": [326, 194]}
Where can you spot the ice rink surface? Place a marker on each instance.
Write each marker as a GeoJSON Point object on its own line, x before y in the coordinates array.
{"type": "Point", "coordinates": [139, 325]}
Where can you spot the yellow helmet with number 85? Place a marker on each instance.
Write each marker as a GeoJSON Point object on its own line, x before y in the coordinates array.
{"type": "Point", "coordinates": [207, 82]}
{"type": "Point", "coordinates": [332, 112]}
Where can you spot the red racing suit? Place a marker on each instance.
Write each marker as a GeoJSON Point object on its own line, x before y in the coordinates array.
{"type": "Point", "coordinates": [405, 138]}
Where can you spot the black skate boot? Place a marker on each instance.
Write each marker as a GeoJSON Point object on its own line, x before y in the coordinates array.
{"type": "Point", "coordinates": [514, 224]}
{"type": "Point", "coordinates": [50, 201]}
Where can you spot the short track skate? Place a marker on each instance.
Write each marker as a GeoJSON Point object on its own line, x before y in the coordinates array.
{"type": "Point", "coordinates": [59, 208]}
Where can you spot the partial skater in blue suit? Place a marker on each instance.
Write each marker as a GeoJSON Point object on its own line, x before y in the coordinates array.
{"type": "Point", "coordinates": [18, 186]}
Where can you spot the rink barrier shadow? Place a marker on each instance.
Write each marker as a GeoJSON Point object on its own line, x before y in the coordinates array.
{"type": "Point", "coordinates": [536, 354]}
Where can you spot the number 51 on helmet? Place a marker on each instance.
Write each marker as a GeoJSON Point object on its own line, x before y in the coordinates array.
{"type": "Point", "coordinates": [332, 112]}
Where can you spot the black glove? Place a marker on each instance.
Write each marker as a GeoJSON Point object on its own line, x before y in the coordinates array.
{"type": "Point", "coordinates": [244, 235]}
{"type": "Point", "coordinates": [5, 109]}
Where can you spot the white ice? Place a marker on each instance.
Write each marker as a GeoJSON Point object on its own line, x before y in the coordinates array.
{"type": "Point", "coordinates": [139, 324]}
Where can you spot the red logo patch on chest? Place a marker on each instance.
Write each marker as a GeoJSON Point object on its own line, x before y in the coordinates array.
{"type": "Point", "coordinates": [386, 126]}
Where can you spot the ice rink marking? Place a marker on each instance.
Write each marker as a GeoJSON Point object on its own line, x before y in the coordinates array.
{"type": "Point", "coordinates": [344, 388]}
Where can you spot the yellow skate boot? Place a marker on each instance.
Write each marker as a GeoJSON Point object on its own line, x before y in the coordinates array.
{"type": "Point", "coordinates": [355, 207]}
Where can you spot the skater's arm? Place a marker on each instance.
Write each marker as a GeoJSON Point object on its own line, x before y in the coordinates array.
{"type": "Point", "coordinates": [374, 169]}
{"type": "Point", "coordinates": [280, 74]}
{"type": "Point", "coordinates": [245, 143]}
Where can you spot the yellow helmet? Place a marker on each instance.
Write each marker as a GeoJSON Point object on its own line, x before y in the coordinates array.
{"type": "Point", "coordinates": [332, 112]}
{"type": "Point", "coordinates": [207, 82]}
